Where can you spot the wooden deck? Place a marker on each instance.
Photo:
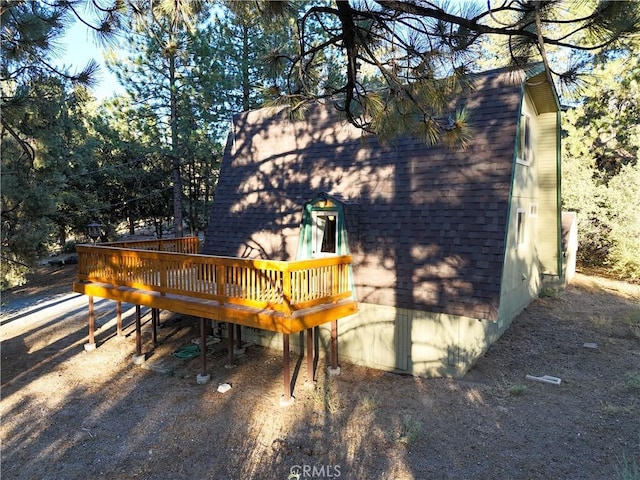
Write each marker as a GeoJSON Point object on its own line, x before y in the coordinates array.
{"type": "Point", "coordinates": [283, 297]}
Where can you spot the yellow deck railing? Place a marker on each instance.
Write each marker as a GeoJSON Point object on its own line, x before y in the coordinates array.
{"type": "Point", "coordinates": [284, 297]}
{"type": "Point", "coordinates": [177, 245]}
{"type": "Point", "coordinates": [264, 284]}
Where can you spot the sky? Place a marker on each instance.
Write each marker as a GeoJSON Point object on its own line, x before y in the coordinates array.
{"type": "Point", "coordinates": [80, 47]}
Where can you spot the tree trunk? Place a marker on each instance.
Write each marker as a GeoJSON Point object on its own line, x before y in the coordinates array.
{"type": "Point", "coordinates": [246, 87]}
{"type": "Point", "coordinates": [130, 220]}
{"type": "Point", "coordinates": [175, 153]}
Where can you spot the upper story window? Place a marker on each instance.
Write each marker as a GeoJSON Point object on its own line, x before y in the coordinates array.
{"type": "Point", "coordinates": [524, 144]}
{"type": "Point", "coordinates": [521, 230]}
{"type": "Point", "coordinates": [329, 243]}
{"type": "Point", "coordinates": [325, 233]}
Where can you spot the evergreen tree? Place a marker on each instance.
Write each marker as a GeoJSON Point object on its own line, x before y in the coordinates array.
{"type": "Point", "coordinates": [132, 177]}
{"type": "Point", "coordinates": [29, 33]}
{"type": "Point", "coordinates": [43, 192]}
{"type": "Point", "coordinates": [421, 50]}
{"type": "Point", "coordinates": [166, 76]}
{"type": "Point", "coordinates": [601, 162]}
{"type": "Point", "coordinates": [41, 130]}
{"type": "Point", "coordinates": [162, 36]}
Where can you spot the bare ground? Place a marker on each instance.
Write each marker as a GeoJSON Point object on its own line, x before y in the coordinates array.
{"type": "Point", "coordinates": [69, 414]}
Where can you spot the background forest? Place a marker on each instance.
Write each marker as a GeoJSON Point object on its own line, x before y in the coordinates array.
{"type": "Point", "coordinates": [149, 157]}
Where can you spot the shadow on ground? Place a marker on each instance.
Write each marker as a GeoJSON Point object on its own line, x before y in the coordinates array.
{"type": "Point", "coordinates": [72, 414]}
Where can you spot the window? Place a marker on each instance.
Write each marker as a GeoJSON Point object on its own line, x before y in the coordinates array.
{"type": "Point", "coordinates": [520, 227]}
{"type": "Point", "coordinates": [524, 147]}
{"type": "Point", "coordinates": [533, 210]}
{"type": "Point", "coordinates": [329, 235]}
{"type": "Point", "coordinates": [325, 233]}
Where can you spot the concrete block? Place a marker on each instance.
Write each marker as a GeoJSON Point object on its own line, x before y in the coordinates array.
{"type": "Point", "coordinates": [139, 359]}
{"type": "Point", "coordinates": [287, 403]}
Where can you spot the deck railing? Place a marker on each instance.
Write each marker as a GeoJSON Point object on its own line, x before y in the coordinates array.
{"type": "Point", "coordinates": [263, 284]}
{"type": "Point", "coordinates": [177, 245]}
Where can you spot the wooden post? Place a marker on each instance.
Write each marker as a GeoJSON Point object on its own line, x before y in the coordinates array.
{"type": "Point", "coordinates": [154, 325]}
{"type": "Point", "coordinates": [138, 332]}
{"type": "Point", "coordinates": [239, 337]}
{"type": "Point", "coordinates": [119, 318]}
{"type": "Point", "coordinates": [334, 348]}
{"type": "Point", "coordinates": [286, 291]}
{"type": "Point", "coordinates": [286, 372]}
{"type": "Point", "coordinates": [91, 345]}
{"type": "Point", "coordinates": [230, 330]}
{"type": "Point", "coordinates": [203, 347]}
{"type": "Point", "coordinates": [220, 280]}
{"type": "Point", "coordinates": [163, 278]}
{"type": "Point", "coordinates": [92, 321]}
{"type": "Point", "coordinates": [310, 372]}
{"type": "Point", "coordinates": [203, 377]}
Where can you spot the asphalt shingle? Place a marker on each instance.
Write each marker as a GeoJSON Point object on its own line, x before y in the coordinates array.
{"type": "Point", "coordinates": [426, 225]}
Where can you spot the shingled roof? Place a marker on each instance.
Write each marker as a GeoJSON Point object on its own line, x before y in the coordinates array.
{"type": "Point", "coordinates": [426, 225]}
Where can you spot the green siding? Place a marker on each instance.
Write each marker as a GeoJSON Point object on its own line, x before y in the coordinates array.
{"type": "Point", "coordinates": [521, 275]}
{"type": "Point", "coordinates": [535, 185]}
{"type": "Point", "coordinates": [401, 340]}
{"type": "Point", "coordinates": [549, 227]}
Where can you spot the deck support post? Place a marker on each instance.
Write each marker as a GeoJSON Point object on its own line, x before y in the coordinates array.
{"type": "Point", "coordinates": [239, 339]}
{"type": "Point", "coordinates": [138, 331]}
{"type": "Point", "coordinates": [286, 399]}
{"type": "Point", "coordinates": [138, 358]}
{"type": "Point", "coordinates": [91, 345]}
{"type": "Point", "coordinates": [232, 359]}
{"type": "Point", "coordinates": [239, 350]}
{"type": "Point", "coordinates": [334, 369]}
{"type": "Point", "coordinates": [154, 325]}
{"type": "Point", "coordinates": [202, 377]}
{"type": "Point", "coordinates": [310, 357]}
{"type": "Point", "coordinates": [119, 318]}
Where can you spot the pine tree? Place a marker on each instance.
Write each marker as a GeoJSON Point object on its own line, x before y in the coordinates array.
{"type": "Point", "coordinates": [420, 52]}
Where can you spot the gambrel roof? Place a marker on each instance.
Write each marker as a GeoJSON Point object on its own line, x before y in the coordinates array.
{"type": "Point", "coordinates": [426, 225]}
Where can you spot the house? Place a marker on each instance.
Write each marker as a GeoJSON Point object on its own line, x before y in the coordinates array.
{"type": "Point", "coordinates": [448, 245]}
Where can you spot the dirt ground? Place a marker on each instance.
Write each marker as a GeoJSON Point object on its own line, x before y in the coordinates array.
{"type": "Point", "coordinates": [70, 414]}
